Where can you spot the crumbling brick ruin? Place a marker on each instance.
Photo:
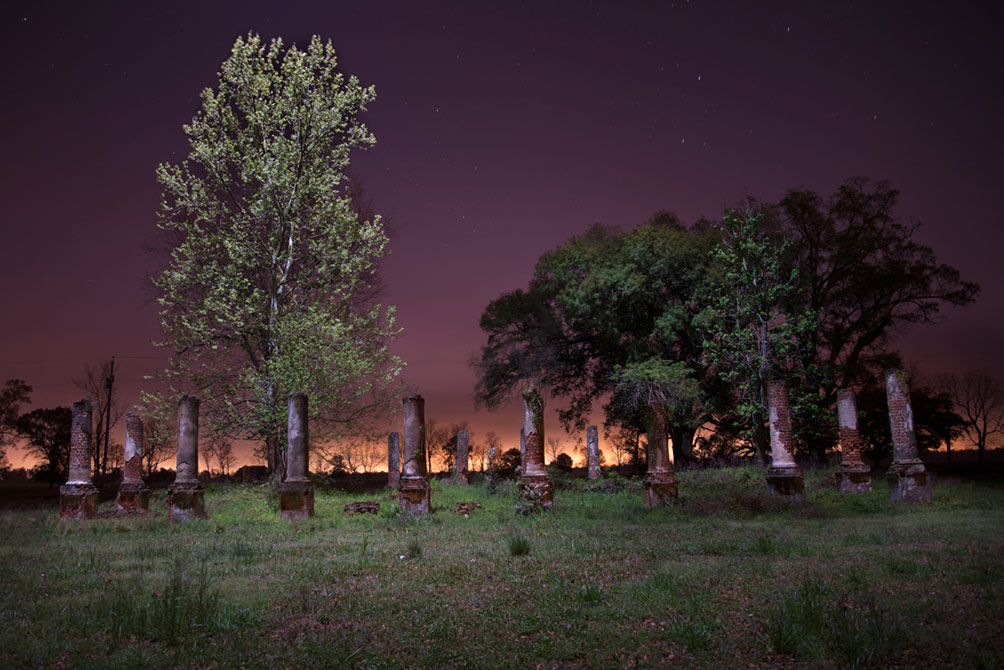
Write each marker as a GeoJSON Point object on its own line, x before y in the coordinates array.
{"type": "Point", "coordinates": [907, 477]}
{"type": "Point", "coordinates": [134, 495]}
{"type": "Point", "coordinates": [186, 496]}
{"type": "Point", "coordinates": [296, 493]}
{"type": "Point", "coordinates": [78, 498]}
{"type": "Point", "coordinates": [784, 477]}
{"type": "Point", "coordinates": [415, 494]}
{"type": "Point", "coordinates": [855, 475]}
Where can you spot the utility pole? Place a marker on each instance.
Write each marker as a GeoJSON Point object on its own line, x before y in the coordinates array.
{"type": "Point", "coordinates": [108, 414]}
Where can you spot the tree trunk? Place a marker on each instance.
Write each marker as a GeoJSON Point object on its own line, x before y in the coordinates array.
{"type": "Point", "coordinates": [683, 444]}
{"type": "Point", "coordinates": [760, 442]}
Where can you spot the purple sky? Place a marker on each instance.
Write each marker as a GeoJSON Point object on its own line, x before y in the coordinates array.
{"type": "Point", "coordinates": [503, 129]}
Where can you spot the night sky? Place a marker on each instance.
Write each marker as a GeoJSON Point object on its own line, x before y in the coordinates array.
{"type": "Point", "coordinates": [503, 129]}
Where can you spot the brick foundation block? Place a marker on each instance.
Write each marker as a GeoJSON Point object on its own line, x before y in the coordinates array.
{"type": "Point", "coordinates": [786, 482]}
{"type": "Point", "coordinates": [908, 483]}
{"type": "Point", "coordinates": [78, 502]}
{"type": "Point", "coordinates": [415, 495]}
{"type": "Point", "coordinates": [536, 490]}
{"type": "Point", "coordinates": [186, 501]}
{"type": "Point", "coordinates": [296, 500]}
{"type": "Point", "coordinates": [855, 479]}
{"type": "Point", "coordinates": [661, 490]}
{"type": "Point", "coordinates": [133, 498]}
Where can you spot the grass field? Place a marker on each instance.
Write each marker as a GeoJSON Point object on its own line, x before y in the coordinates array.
{"type": "Point", "coordinates": [729, 578]}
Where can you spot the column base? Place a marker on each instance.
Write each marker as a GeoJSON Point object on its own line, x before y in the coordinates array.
{"type": "Point", "coordinates": [186, 501]}
{"type": "Point", "coordinates": [661, 489]}
{"type": "Point", "coordinates": [415, 494]}
{"type": "Point", "coordinates": [786, 481]}
{"type": "Point", "coordinates": [855, 478]}
{"type": "Point", "coordinates": [296, 500]}
{"type": "Point", "coordinates": [908, 482]}
{"type": "Point", "coordinates": [536, 490]}
{"type": "Point", "coordinates": [133, 497]}
{"type": "Point", "coordinates": [78, 502]}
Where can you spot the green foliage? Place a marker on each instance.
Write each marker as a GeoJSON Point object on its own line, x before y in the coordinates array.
{"type": "Point", "coordinates": [519, 546]}
{"type": "Point", "coordinates": [269, 285]}
{"type": "Point", "coordinates": [812, 622]}
{"type": "Point", "coordinates": [754, 333]}
{"type": "Point", "coordinates": [602, 301]}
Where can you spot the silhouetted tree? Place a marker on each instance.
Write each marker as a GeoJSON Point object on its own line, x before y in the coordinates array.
{"type": "Point", "coordinates": [47, 436]}
{"type": "Point", "coordinates": [979, 398]}
{"type": "Point", "coordinates": [864, 276]}
{"type": "Point", "coordinates": [94, 384]}
{"type": "Point", "coordinates": [14, 394]}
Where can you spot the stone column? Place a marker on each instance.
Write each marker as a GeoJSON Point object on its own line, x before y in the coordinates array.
{"type": "Point", "coordinates": [393, 460]}
{"type": "Point", "coordinates": [185, 496]}
{"type": "Point", "coordinates": [907, 476]}
{"type": "Point", "coordinates": [296, 493]}
{"type": "Point", "coordinates": [463, 451]}
{"type": "Point", "coordinates": [78, 497]}
{"type": "Point", "coordinates": [415, 494]}
{"type": "Point", "coordinates": [660, 480]}
{"type": "Point", "coordinates": [534, 484]}
{"type": "Point", "coordinates": [784, 477]}
{"type": "Point", "coordinates": [134, 496]}
{"type": "Point", "coordinates": [522, 451]}
{"type": "Point", "coordinates": [593, 453]}
{"type": "Point", "coordinates": [855, 475]}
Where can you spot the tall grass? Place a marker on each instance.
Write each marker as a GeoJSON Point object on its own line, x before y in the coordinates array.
{"type": "Point", "coordinates": [731, 577]}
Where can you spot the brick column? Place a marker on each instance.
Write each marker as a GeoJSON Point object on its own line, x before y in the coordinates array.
{"type": "Point", "coordinates": [593, 453]}
{"type": "Point", "coordinates": [907, 477]}
{"type": "Point", "coordinates": [134, 496]}
{"type": "Point", "coordinates": [393, 460]}
{"type": "Point", "coordinates": [522, 450]}
{"type": "Point", "coordinates": [416, 496]}
{"type": "Point", "coordinates": [855, 475]}
{"type": "Point", "coordinates": [78, 497]}
{"type": "Point", "coordinates": [784, 478]}
{"type": "Point", "coordinates": [185, 496]}
{"type": "Point", "coordinates": [463, 451]}
{"type": "Point", "coordinates": [534, 483]}
{"type": "Point", "coordinates": [660, 480]}
{"type": "Point", "coordinates": [296, 493]}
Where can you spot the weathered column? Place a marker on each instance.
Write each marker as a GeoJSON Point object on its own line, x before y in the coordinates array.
{"type": "Point", "coordinates": [784, 477]}
{"type": "Point", "coordinates": [522, 450]}
{"type": "Point", "coordinates": [185, 496]}
{"type": "Point", "coordinates": [416, 496]}
{"type": "Point", "coordinates": [593, 453]}
{"type": "Point", "coordinates": [660, 480]}
{"type": "Point", "coordinates": [534, 484]}
{"type": "Point", "coordinates": [855, 475]}
{"type": "Point", "coordinates": [463, 451]}
{"type": "Point", "coordinates": [296, 493]}
{"type": "Point", "coordinates": [393, 460]}
{"type": "Point", "coordinates": [78, 497]}
{"type": "Point", "coordinates": [133, 495]}
{"type": "Point", "coordinates": [907, 477]}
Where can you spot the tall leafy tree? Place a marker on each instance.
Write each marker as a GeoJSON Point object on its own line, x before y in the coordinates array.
{"type": "Point", "coordinates": [603, 300]}
{"type": "Point", "coordinates": [754, 332]}
{"type": "Point", "coordinates": [267, 289]}
{"type": "Point", "coordinates": [865, 277]}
